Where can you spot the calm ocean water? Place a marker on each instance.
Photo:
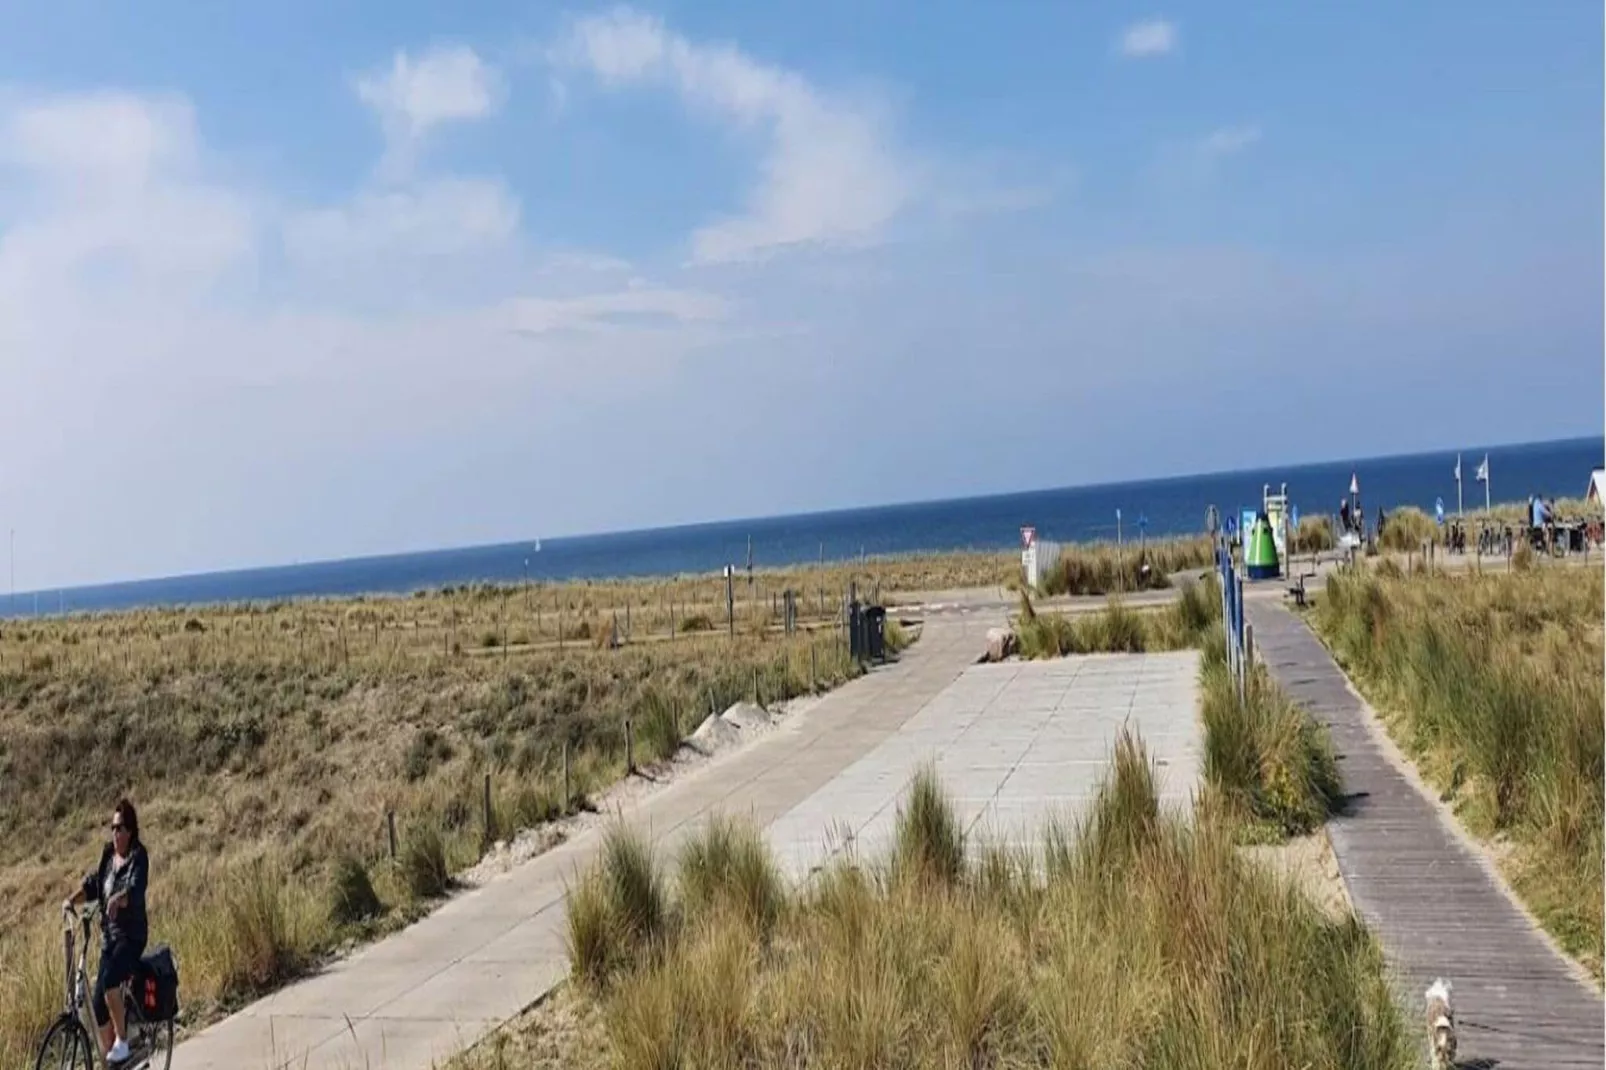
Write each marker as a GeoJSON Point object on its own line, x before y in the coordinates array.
{"type": "Point", "coordinates": [1075, 514]}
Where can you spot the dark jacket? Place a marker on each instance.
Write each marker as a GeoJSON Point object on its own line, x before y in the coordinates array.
{"type": "Point", "coordinates": [130, 925]}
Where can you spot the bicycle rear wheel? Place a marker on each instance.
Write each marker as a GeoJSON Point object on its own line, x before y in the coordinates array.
{"type": "Point", "coordinates": [156, 1045]}
{"type": "Point", "coordinates": [66, 1046]}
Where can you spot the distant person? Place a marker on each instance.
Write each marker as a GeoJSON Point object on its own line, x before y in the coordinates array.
{"type": "Point", "coordinates": [1382, 518]}
{"type": "Point", "coordinates": [1344, 518]}
{"type": "Point", "coordinates": [118, 885]}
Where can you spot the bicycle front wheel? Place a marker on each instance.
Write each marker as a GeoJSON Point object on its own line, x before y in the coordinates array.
{"type": "Point", "coordinates": [66, 1046]}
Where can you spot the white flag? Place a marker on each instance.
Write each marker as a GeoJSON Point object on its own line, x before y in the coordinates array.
{"type": "Point", "coordinates": [1483, 470]}
{"type": "Point", "coordinates": [1458, 468]}
{"type": "Point", "coordinates": [1354, 484]}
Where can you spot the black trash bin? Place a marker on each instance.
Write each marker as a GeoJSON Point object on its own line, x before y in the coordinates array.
{"type": "Point", "coordinates": [875, 628]}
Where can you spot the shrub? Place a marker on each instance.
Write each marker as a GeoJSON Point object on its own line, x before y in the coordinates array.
{"type": "Point", "coordinates": [423, 862]}
{"type": "Point", "coordinates": [352, 897]}
{"type": "Point", "coordinates": [1314, 535]}
{"type": "Point", "coordinates": [697, 622]}
{"type": "Point", "coordinates": [657, 725]}
{"type": "Point", "coordinates": [258, 925]}
{"type": "Point", "coordinates": [428, 749]}
{"type": "Point", "coordinates": [1405, 529]}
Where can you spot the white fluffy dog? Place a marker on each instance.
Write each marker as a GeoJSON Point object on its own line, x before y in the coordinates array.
{"type": "Point", "coordinates": [1441, 1026]}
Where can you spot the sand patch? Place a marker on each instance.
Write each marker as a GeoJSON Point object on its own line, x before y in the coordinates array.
{"type": "Point", "coordinates": [1309, 862]}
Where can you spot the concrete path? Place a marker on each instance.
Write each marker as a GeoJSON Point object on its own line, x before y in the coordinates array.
{"type": "Point", "coordinates": [1430, 896]}
{"type": "Point", "coordinates": [1013, 744]}
{"type": "Point", "coordinates": [427, 992]}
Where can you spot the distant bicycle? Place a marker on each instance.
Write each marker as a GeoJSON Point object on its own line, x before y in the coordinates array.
{"type": "Point", "coordinates": [150, 1002]}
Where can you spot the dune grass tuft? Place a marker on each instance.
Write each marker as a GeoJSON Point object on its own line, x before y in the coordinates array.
{"type": "Point", "coordinates": [1492, 683]}
{"type": "Point", "coordinates": [424, 868]}
{"type": "Point", "coordinates": [1120, 629]}
{"type": "Point", "coordinates": [929, 837]}
{"type": "Point", "coordinates": [1104, 568]}
{"type": "Point", "coordinates": [728, 866]}
{"type": "Point", "coordinates": [1266, 759]}
{"type": "Point", "coordinates": [1149, 943]}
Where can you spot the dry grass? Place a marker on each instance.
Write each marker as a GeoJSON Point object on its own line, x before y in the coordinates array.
{"type": "Point", "coordinates": [1104, 568]}
{"type": "Point", "coordinates": [279, 736]}
{"type": "Point", "coordinates": [1266, 761]}
{"type": "Point", "coordinates": [1517, 512]}
{"type": "Point", "coordinates": [1406, 529]}
{"type": "Point", "coordinates": [1314, 535]}
{"type": "Point", "coordinates": [1493, 684]}
{"type": "Point", "coordinates": [1120, 629]}
{"type": "Point", "coordinates": [1133, 941]}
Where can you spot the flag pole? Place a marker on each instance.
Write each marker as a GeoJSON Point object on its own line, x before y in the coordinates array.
{"type": "Point", "coordinates": [1459, 511]}
{"type": "Point", "coordinates": [1486, 482]}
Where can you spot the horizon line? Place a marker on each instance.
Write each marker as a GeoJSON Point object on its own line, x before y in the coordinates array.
{"type": "Point", "coordinates": [910, 503]}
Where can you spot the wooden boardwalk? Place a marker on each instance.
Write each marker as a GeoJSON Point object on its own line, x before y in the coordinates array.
{"type": "Point", "coordinates": [1427, 895]}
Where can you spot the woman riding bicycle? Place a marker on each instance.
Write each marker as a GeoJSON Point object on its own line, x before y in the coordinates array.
{"type": "Point", "coordinates": [119, 886]}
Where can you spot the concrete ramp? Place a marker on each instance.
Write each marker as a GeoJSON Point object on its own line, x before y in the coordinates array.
{"type": "Point", "coordinates": [1014, 744]}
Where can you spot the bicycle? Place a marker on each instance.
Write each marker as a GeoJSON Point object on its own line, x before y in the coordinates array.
{"type": "Point", "coordinates": [69, 1042]}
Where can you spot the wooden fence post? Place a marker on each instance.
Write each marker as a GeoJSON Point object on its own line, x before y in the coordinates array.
{"type": "Point", "coordinates": [490, 825]}
{"type": "Point", "coordinates": [566, 794]}
{"type": "Point", "coordinates": [630, 751]}
{"type": "Point", "coordinates": [390, 829]}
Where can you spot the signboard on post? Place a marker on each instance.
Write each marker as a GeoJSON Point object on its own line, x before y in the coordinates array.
{"type": "Point", "coordinates": [1028, 536]}
{"type": "Point", "coordinates": [1212, 521]}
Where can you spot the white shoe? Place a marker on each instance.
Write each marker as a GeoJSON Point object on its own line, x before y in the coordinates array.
{"type": "Point", "coordinates": [119, 1052]}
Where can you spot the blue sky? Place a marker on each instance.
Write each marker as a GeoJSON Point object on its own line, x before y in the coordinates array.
{"type": "Point", "coordinates": [280, 282]}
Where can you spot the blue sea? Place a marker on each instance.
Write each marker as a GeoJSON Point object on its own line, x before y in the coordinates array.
{"type": "Point", "coordinates": [1155, 508]}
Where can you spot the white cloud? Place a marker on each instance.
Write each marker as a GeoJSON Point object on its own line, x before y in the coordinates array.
{"type": "Point", "coordinates": [107, 192]}
{"type": "Point", "coordinates": [1229, 140]}
{"type": "Point", "coordinates": [440, 217]}
{"type": "Point", "coordinates": [639, 305]}
{"type": "Point", "coordinates": [416, 95]}
{"type": "Point", "coordinates": [1151, 37]}
{"type": "Point", "coordinates": [827, 174]}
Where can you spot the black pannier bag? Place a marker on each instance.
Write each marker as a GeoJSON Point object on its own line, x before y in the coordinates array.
{"type": "Point", "coordinates": [156, 985]}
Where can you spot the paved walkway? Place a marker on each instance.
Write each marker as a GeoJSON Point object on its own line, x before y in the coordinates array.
{"type": "Point", "coordinates": [1428, 895]}
{"type": "Point", "coordinates": [1013, 744]}
{"type": "Point", "coordinates": [424, 993]}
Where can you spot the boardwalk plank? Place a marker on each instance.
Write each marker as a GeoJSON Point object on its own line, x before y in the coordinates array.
{"type": "Point", "coordinates": [1430, 900]}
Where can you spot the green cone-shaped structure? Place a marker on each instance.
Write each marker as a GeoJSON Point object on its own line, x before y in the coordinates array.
{"type": "Point", "coordinates": [1260, 552]}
